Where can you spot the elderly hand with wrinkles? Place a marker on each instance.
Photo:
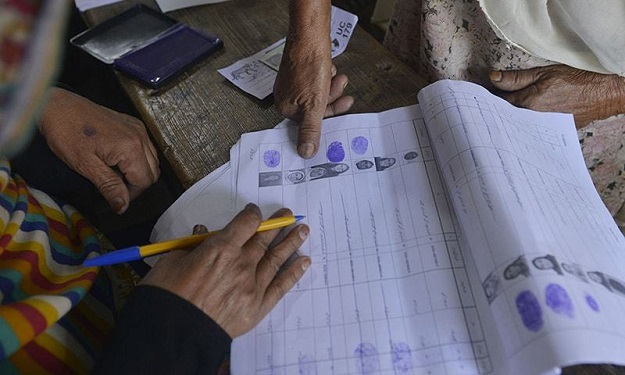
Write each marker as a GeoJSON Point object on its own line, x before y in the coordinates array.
{"type": "Point", "coordinates": [587, 95]}
{"type": "Point", "coordinates": [307, 87]}
{"type": "Point", "coordinates": [238, 275]}
{"type": "Point", "coordinates": [110, 149]}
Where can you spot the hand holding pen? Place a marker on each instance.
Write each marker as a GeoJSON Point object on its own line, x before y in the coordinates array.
{"type": "Point", "coordinates": [138, 252]}
{"type": "Point", "coordinates": [233, 275]}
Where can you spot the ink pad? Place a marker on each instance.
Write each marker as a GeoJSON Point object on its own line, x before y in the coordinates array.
{"type": "Point", "coordinates": [147, 45]}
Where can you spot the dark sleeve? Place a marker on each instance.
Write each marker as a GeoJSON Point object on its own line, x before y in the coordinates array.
{"type": "Point", "coordinates": [161, 333]}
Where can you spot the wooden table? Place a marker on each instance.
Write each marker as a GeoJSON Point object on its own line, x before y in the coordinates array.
{"type": "Point", "coordinates": [197, 119]}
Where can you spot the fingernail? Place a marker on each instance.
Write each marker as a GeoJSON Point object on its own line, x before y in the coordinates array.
{"type": "Point", "coordinates": [306, 150]}
{"type": "Point", "coordinates": [345, 84]}
{"type": "Point", "coordinates": [303, 232]}
{"type": "Point", "coordinates": [495, 76]}
{"type": "Point", "coordinates": [119, 206]}
{"type": "Point", "coordinates": [199, 229]}
{"type": "Point", "coordinates": [305, 264]}
{"type": "Point", "coordinates": [249, 205]}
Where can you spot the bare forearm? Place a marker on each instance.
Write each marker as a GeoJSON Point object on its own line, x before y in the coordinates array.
{"type": "Point", "coordinates": [309, 26]}
{"type": "Point", "coordinates": [308, 87]}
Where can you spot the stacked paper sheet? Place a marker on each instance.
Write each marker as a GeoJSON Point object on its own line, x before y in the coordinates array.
{"type": "Point", "coordinates": [458, 236]}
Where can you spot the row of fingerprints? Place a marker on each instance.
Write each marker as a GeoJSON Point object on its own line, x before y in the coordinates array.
{"type": "Point", "coordinates": [327, 170]}
{"type": "Point", "coordinates": [556, 296]}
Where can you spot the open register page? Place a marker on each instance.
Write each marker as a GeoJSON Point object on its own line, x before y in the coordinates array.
{"type": "Point", "coordinates": [528, 278]}
{"type": "Point", "coordinates": [548, 255]}
{"type": "Point", "coordinates": [467, 239]}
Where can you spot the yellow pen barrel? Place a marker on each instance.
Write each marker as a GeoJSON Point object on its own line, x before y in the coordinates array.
{"type": "Point", "coordinates": [278, 222]}
{"type": "Point", "coordinates": [177, 244]}
{"type": "Point", "coordinates": [185, 242]}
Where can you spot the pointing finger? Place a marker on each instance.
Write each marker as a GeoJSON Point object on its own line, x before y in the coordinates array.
{"type": "Point", "coordinates": [310, 131]}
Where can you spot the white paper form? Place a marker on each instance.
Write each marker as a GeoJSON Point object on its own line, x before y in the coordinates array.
{"type": "Point", "coordinates": [209, 201]}
{"type": "Point", "coordinates": [549, 255]}
{"type": "Point", "coordinates": [388, 291]}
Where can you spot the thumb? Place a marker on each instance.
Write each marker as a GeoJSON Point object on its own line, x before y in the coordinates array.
{"type": "Point", "coordinates": [109, 183]}
{"type": "Point", "coordinates": [309, 132]}
{"type": "Point", "coordinates": [513, 80]}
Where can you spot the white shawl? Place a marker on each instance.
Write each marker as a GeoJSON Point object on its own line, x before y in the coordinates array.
{"type": "Point", "coordinates": [585, 34]}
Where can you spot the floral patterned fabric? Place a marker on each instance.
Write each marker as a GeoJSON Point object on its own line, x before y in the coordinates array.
{"type": "Point", "coordinates": [452, 39]}
{"type": "Point", "coordinates": [449, 39]}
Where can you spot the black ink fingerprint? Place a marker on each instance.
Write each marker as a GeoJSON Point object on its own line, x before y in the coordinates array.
{"type": "Point", "coordinates": [410, 155]}
{"type": "Point", "coordinates": [269, 179]}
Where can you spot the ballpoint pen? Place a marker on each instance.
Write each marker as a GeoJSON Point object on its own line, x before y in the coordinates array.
{"type": "Point", "coordinates": [137, 252]}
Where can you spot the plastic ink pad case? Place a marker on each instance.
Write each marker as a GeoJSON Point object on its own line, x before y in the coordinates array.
{"type": "Point", "coordinates": [147, 45]}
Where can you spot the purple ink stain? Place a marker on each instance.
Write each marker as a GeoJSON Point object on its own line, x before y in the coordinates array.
{"type": "Point", "coordinates": [336, 153]}
{"type": "Point", "coordinates": [360, 145]}
{"type": "Point", "coordinates": [558, 300]}
{"type": "Point", "coordinates": [89, 131]}
{"type": "Point", "coordinates": [529, 309]}
{"type": "Point", "coordinates": [307, 366]}
{"type": "Point", "coordinates": [592, 303]}
{"type": "Point", "coordinates": [271, 158]}
{"type": "Point", "coordinates": [367, 359]}
{"type": "Point", "coordinates": [400, 355]}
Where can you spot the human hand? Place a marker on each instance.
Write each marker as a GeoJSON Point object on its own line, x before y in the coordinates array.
{"type": "Point", "coordinates": [559, 88]}
{"type": "Point", "coordinates": [235, 276]}
{"type": "Point", "coordinates": [307, 87]}
{"type": "Point", "coordinates": [307, 93]}
{"type": "Point", "coordinates": [110, 149]}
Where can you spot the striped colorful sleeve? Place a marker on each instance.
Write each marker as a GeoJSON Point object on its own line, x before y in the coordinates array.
{"type": "Point", "coordinates": [42, 247]}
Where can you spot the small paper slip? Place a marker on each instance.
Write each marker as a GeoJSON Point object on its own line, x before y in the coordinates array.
{"type": "Point", "coordinates": [256, 74]}
{"type": "Point", "coordinates": [84, 5]}
{"type": "Point", "coordinates": [169, 5]}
